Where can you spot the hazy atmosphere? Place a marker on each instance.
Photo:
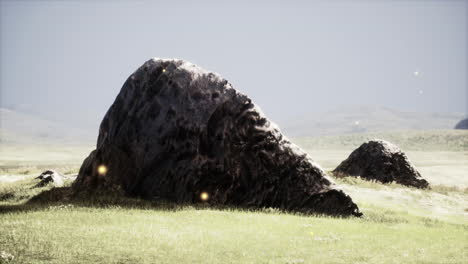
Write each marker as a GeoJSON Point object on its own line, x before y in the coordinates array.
{"type": "Point", "coordinates": [66, 61]}
{"type": "Point", "coordinates": [333, 132]}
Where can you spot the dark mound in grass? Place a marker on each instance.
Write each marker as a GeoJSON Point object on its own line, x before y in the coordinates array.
{"type": "Point", "coordinates": [176, 131]}
{"type": "Point", "coordinates": [381, 161]}
{"type": "Point", "coordinates": [463, 124]}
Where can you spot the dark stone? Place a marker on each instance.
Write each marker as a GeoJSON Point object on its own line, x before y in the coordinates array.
{"type": "Point", "coordinates": [176, 130]}
{"type": "Point", "coordinates": [463, 124]}
{"type": "Point", "coordinates": [381, 161]}
{"type": "Point", "coordinates": [50, 177]}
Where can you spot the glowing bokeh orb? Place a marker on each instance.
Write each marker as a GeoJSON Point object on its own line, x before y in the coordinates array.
{"type": "Point", "coordinates": [204, 196]}
{"type": "Point", "coordinates": [163, 70]}
{"type": "Point", "coordinates": [102, 169]}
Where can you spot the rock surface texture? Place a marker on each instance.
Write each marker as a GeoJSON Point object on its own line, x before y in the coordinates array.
{"type": "Point", "coordinates": [463, 124]}
{"type": "Point", "coordinates": [50, 177]}
{"type": "Point", "coordinates": [381, 161]}
{"type": "Point", "coordinates": [176, 131]}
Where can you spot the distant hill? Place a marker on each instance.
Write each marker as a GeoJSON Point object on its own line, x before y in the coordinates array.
{"type": "Point", "coordinates": [26, 128]}
{"type": "Point", "coordinates": [21, 128]}
{"type": "Point", "coordinates": [367, 119]}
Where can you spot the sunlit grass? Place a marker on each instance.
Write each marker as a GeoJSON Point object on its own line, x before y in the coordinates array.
{"type": "Point", "coordinates": [400, 224]}
{"type": "Point", "coordinates": [76, 234]}
{"type": "Point", "coordinates": [350, 180]}
{"type": "Point", "coordinates": [109, 228]}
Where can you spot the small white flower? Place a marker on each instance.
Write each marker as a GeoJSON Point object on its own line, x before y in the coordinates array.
{"type": "Point", "coordinates": [6, 256]}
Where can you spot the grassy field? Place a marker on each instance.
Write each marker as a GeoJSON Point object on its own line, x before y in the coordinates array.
{"type": "Point", "coordinates": [110, 229]}
{"type": "Point", "coordinates": [20, 159]}
{"type": "Point", "coordinates": [400, 225]}
{"type": "Point", "coordinates": [414, 140]}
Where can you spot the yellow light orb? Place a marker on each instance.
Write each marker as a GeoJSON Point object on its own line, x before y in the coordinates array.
{"type": "Point", "coordinates": [204, 196]}
{"type": "Point", "coordinates": [102, 169]}
{"type": "Point", "coordinates": [163, 70]}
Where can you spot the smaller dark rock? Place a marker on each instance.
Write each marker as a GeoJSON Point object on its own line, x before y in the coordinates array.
{"type": "Point", "coordinates": [50, 176]}
{"type": "Point", "coordinates": [463, 124]}
{"type": "Point", "coordinates": [381, 161]}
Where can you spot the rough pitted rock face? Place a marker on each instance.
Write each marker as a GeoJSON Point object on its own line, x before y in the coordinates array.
{"type": "Point", "coordinates": [463, 124]}
{"type": "Point", "coordinates": [176, 131]}
{"type": "Point", "coordinates": [381, 161]}
{"type": "Point", "coordinates": [50, 177]}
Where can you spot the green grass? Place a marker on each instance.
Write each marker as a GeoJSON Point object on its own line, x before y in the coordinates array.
{"type": "Point", "coordinates": [33, 159]}
{"type": "Point", "coordinates": [358, 181]}
{"type": "Point", "coordinates": [75, 234]}
{"type": "Point", "coordinates": [416, 140]}
{"type": "Point", "coordinates": [108, 228]}
{"type": "Point", "coordinates": [400, 224]}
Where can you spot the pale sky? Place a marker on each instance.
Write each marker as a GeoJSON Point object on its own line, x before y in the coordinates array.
{"type": "Point", "coordinates": [68, 60]}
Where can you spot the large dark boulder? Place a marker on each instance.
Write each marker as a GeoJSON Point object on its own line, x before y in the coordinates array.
{"type": "Point", "coordinates": [381, 161]}
{"type": "Point", "coordinates": [176, 131]}
{"type": "Point", "coordinates": [463, 124]}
